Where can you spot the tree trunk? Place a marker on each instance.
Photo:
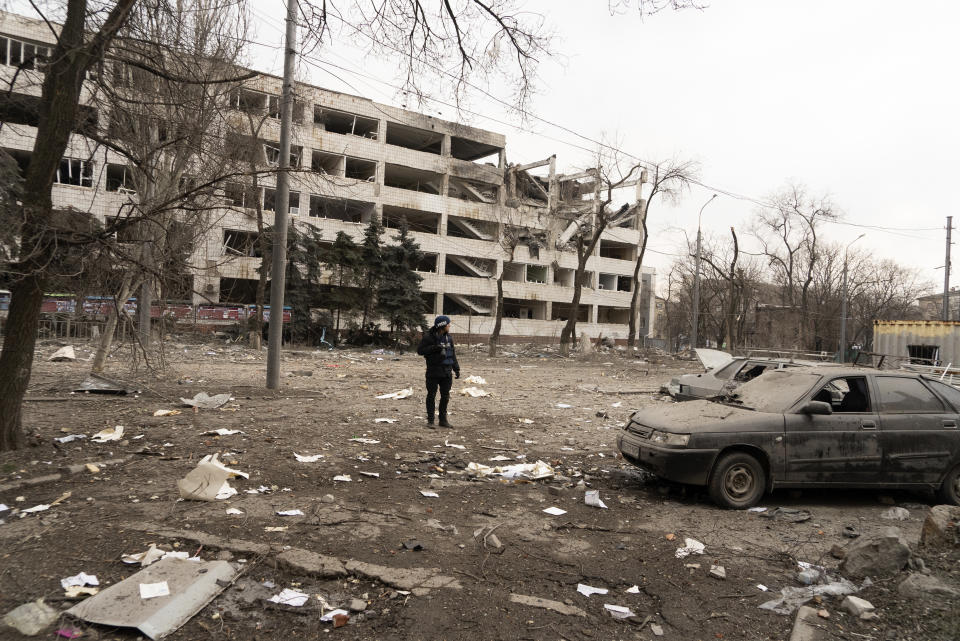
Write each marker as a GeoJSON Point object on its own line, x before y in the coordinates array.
{"type": "Point", "coordinates": [495, 334]}
{"type": "Point", "coordinates": [144, 305]}
{"type": "Point", "coordinates": [16, 361]}
{"type": "Point", "coordinates": [569, 331]}
{"type": "Point", "coordinates": [109, 330]}
{"type": "Point", "coordinates": [634, 312]}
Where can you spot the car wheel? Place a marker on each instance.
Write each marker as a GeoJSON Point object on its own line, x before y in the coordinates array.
{"type": "Point", "coordinates": [738, 481]}
{"type": "Point", "coordinates": [950, 490]}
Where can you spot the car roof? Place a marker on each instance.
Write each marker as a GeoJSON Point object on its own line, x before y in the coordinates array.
{"type": "Point", "coordinates": [845, 370]}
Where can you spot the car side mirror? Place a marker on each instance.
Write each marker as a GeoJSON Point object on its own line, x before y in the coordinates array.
{"type": "Point", "coordinates": [817, 407]}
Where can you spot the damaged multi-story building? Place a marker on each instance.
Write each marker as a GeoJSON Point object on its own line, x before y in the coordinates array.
{"type": "Point", "coordinates": [357, 160]}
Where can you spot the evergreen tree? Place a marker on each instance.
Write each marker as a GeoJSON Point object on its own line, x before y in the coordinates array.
{"type": "Point", "coordinates": [399, 299]}
{"type": "Point", "coordinates": [304, 271]}
{"type": "Point", "coordinates": [343, 259]}
{"type": "Point", "coordinates": [372, 269]}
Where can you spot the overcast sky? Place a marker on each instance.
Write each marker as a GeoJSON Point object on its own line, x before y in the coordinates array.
{"type": "Point", "coordinates": [856, 99]}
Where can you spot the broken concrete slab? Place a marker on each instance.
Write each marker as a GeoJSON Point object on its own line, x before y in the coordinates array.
{"type": "Point", "coordinates": [238, 546]}
{"type": "Point", "coordinates": [64, 354]}
{"type": "Point", "coordinates": [310, 563]}
{"type": "Point", "coordinates": [807, 627]}
{"type": "Point", "coordinates": [191, 585]}
{"type": "Point", "coordinates": [856, 606]}
{"type": "Point", "coordinates": [418, 580]}
{"type": "Point", "coordinates": [96, 384]}
{"type": "Point", "coordinates": [883, 554]}
{"type": "Point", "coordinates": [918, 586]}
{"type": "Point", "coordinates": [941, 528]}
{"type": "Point", "coordinates": [547, 604]}
{"type": "Point", "coordinates": [30, 619]}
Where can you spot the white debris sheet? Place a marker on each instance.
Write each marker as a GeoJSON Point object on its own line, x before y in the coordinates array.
{"type": "Point", "coordinates": [555, 511]}
{"type": "Point", "coordinates": [618, 611]}
{"type": "Point", "coordinates": [307, 458]}
{"type": "Point", "coordinates": [107, 435]}
{"type": "Point", "coordinates": [404, 393]}
{"type": "Point", "coordinates": [532, 471]}
{"type": "Point", "coordinates": [365, 441]}
{"type": "Point", "coordinates": [79, 579]}
{"type": "Point", "coordinates": [587, 590]}
{"type": "Point", "coordinates": [153, 590]}
{"type": "Point", "coordinates": [592, 498]}
{"type": "Point", "coordinates": [206, 402]}
{"type": "Point", "coordinates": [208, 481]}
{"type": "Point", "coordinates": [328, 617]}
{"type": "Point", "coordinates": [792, 597]}
{"type": "Point", "coordinates": [385, 420]}
{"type": "Point", "coordinates": [222, 432]}
{"type": "Point", "coordinates": [293, 598]}
{"type": "Point", "coordinates": [475, 392]}
{"type": "Point", "coordinates": [65, 353]}
{"type": "Point", "coordinates": [290, 513]}
{"type": "Point", "coordinates": [690, 546]}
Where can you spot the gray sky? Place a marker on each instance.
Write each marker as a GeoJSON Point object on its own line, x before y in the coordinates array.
{"type": "Point", "coordinates": [857, 99]}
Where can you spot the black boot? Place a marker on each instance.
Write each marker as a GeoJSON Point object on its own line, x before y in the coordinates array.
{"type": "Point", "coordinates": [430, 421]}
{"type": "Point", "coordinates": [444, 422]}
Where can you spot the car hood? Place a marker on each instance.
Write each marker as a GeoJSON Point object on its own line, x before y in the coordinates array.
{"type": "Point", "coordinates": [712, 359]}
{"type": "Point", "coordinates": [705, 416]}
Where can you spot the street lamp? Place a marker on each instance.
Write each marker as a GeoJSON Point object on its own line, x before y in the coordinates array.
{"type": "Point", "coordinates": [696, 280]}
{"type": "Point", "coordinates": [843, 303]}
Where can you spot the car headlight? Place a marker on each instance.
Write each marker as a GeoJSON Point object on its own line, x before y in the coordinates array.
{"type": "Point", "coordinates": [668, 438]}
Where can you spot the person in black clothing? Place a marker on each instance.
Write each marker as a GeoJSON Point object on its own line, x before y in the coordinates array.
{"type": "Point", "coordinates": [437, 349]}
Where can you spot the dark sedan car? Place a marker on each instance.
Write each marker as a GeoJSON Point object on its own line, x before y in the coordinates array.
{"type": "Point", "coordinates": [810, 427]}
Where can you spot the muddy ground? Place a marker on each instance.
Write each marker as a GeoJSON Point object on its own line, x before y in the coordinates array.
{"type": "Point", "coordinates": [466, 587]}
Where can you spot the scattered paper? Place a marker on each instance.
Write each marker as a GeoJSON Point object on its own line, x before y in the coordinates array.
{"type": "Point", "coordinates": [617, 404]}
{"type": "Point", "coordinates": [143, 558]}
{"type": "Point", "coordinates": [375, 475]}
{"type": "Point", "coordinates": [429, 494]}
{"type": "Point", "coordinates": [691, 546]}
{"type": "Point", "coordinates": [104, 436]}
{"type": "Point", "coordinates": [153, 590]}
{"type": "Point", "coordinates": [312, 458]}
{"type": "Point", "coordinates": [35, 508]}
{"type": "Point", "coordinates": [166, 412]}
{"type": "Point", "coordinates": [592, 498]}
{"type": "Point", "coordinates": [619, 611]}
{"type": "Point", "coordinates": [564, 406]}
{"type": "Point", "coordinates": [290, 597]}
{"type": "Point", "coordinates": [475, 392]}
{"type": "Point", "coordinates": [290, 513]}
{"type": "Point", "coordinates": [634, 590]}
{"type": "Point", "coordinates": [276, 528]}
{"type": "Point", "coordinates": [500, 457]}
{"type": "Point", "coordinates": [75, 591]}
{"type": "Point", "coordinates": [404, 393]}
{"type": "Point", "coordinates": [328, 617]}
{"type": "Point", "coordinates": [342, 477]}
{"type": "Point", "coordinates": [365, 441]}
{"type": "Point", "coordinates": [232, 511]}
{"type": "Point", "coordinates": [208, 481]}
{"type": "Point", "coordinates": [79, 579]}
{"type": "Point", "coordinates": [762, 587]}
{"type": "Point", "coordinates": [222, 432]}
{"type": "Point", "coordinates": [476, 380]}
{"type": "Point", "coordinates": [555, 511]}
{"type": "Point", "coordinates": [206, 402]}
{"type": "Point", "coordinates": [587, 590]}
{"type": "Point", "coordinates": [69, 438]}
{"type": "Point", "coordinates": [454, 445]}
{"type": "Point", "coordinates": [385, 420]}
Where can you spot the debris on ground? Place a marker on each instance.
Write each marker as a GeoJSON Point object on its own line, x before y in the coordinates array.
{"type": "Point", "coordinates": [547, 604]}
{"type": "Point", "coordinates": [474, 392]}
{"type": "Point", "coordinates": [618, 611]}
{"type": "Point", "coordinates": [166, 412]}
{"type": "Point", "coordinates": [792, 597]}
{"type": "Point", "coordinates": [856, 606]}
{"type": "Point", "coordinates": [70, 438]}
{"type": "Point", "coordinates": [592, 498]}
{"type": "Point", "coordinates": [107, 435]}
{"type": "Point", "coordinates": [307, 458]}
{"type": "Point", "coordinates": [690, 546]}
{"type": "Point", "coordinates": [30, 619]}
{"type": "Point", "coordinates": [96, 384]}
{"type": "Point", "coordinates": [65, 353]}
{"type": "Point", "coordinates": [404, 393]}
{"type": "Point", "coordinates": [718, 572]}
{"type": "Point", "coordinates": [882, 554]}
{"type": "Point", "coordinates": [293, 598]}
{"type": "Point", "coordinates": [385, 420]}
{"type": "Point", "coordinates": [919, 586]}
{"type": "Point", "coordinates": [555, 511]}
{"type": "Point", "coordinates": [221, 432]}
{"type": "Point", "coordinates": [475, 380]}
{"type": "Point", "coordinates": [532, 471]}
{"type": "Point", "coordinates": [941, 528]}
{"type": "Point", "coordinates": [208, 481]}
{"type": "Point", "coordinates": [896, 514]}
{"type": "Point", "coordinates": [204, 401]}
{"type": "Point", "coordinates": [145, 558]}
{"type": "Point", "coordinates": [587, 590]}
{"type": "Point", "coordinates": [787, 514]}
{"type": "Point", "coordinates": [191, 586]}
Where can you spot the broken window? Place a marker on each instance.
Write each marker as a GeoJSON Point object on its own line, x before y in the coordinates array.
{"type": "Point", "coordinates": [421, 221]}
{"type": "Point", "coordinates": [849, 394]}
{"type": "Point", "coordinates": [924, 354]}
{"type": "Point", "coordinates": [414, 138]}
{"type": "Point", "coordinates": [241, 243]}
{"type": "Point", "coordinates": [478, 152]}
{"type": "Point", "coordinates": [428, 263]}
{"type": "Point", "coordinates": [536, 274]}
{"type": "Point", "coordinates": [472, 190]}
{"type": "Point", "coordinates": [271, 153]}
{"type": "Point", "coordinates": [252, 102]}
{"type": "Point", "coordinates": [74, 172]}
{"type": "Point", "coordinates": [361, 169]}
{"type": "Point", "coordinates": [270, 201]}
{"type": "Point", "coordinates": [350, 211]}
{"type": "Point", "coordinates": [327, 163]}
{"type": "Point", "coordinates": [120, 179]}
{"type": "Point", "coordinates": [404, 177]}
{"type": "Point", "coordinates": [342, 122]}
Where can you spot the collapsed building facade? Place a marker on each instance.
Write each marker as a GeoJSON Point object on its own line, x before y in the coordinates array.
{"type": "Point", "coordinates": [356, 160]}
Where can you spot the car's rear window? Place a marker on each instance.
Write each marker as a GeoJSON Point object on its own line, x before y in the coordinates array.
{"type": "Point", "coordinates": [949, 392]}
{"type": "Point", "coordinates": [775, 391]}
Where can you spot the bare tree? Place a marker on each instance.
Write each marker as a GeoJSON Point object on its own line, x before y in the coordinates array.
{"type": "Point", "coordinates": [670, 179]}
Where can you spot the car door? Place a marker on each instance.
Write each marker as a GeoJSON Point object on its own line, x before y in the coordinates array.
{"type": "Point", "coordinates": [917, 430]}
{"type": "Point", "coordinates": [842, 447]}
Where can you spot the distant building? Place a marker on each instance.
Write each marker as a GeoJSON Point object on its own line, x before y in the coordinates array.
{"type": "Point", "coordinates": [924, 342]}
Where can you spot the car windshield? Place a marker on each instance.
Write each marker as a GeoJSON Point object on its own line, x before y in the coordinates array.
{"type": "Point", "coordinates": [774, 391]}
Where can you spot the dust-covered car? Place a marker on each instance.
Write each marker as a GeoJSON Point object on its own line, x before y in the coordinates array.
{"type": "Point", "coordinates": [806, 427]}
{"type": "Point", "coordinates": [723, 373]}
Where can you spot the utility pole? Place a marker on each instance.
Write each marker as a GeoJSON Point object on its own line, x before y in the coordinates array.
{"type": "Point", "coordinates": [946, 274]}
{"type": "Point", "coordinates": [278, 273]}
{"type": "Point", "coordinates": [696, 282]}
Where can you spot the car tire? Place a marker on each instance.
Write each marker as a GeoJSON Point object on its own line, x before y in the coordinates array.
{"type": "Point", "coordinates": [950, 489]}
{"type": "Point", "coordinates": [738, 481]}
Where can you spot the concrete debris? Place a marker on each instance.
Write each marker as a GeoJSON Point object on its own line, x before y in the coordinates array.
{"type": "Point", "coordinates": [918, 586]}
{"type": "Point", "coordinates": [30, 619]}
{"type": "Point", "coordinates": [166, 412]}
{"type": "Point", "coordinates": [791, 598]}
{"type": "Point", "coordinates": [806, 627]}
{"type": "Point", "coordinates": [896, 514]}
{"type": "Point", "coordinates": [547, 604]}
{"type": "Point", "coordinates": [880, 555]}
{"type": "Point", "coordinates": [96, 384]}
{"type": "Point", "coordinates": [690, 546]}
{"type": "Point", "coordinates": [718, 572]}
{"type": "Point", "coordinates": [206, 402]}
{"type": "Point", "coordinates": [357, 605]}
{"type": "Point", "coordinates": [656, 629]}
{"type": "Point", "coordinates": [941, 528]}
{"type": "Point", "coordinates": [856, 606]}
{"type": "Point", "coordinates": [65, 353]}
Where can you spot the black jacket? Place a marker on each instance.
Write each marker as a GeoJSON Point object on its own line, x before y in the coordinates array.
{"type": "Point", "coordinates": [432, 352]}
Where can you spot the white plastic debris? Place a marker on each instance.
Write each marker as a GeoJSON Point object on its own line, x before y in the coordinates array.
{"type": "Point", "coordinates": [555, 511]}
{"type": "Point", "coordinates": [328, 617]}
{"type": "Point", "coordinates": [475, 392]}
{"type": "Point", "coordinates": [500, 457]}
{"type": "Point", "coordinates": [143, 558]}
{"type": "Point", "coordinates": [592, 498]}
{"type": "Point", "coordinates": [374, 475]}
{"type": "Point", "coordinates": [307, 458]}
{"type": "Point", "coordinates": [208, 481]}
{"type": "Point", "coordinates": [166, 412]}
{"type": "Point", "coordinates": [79, 579]}
{"type": "Point", "coordinates": [690, 546]}
{"type": "Point", "coordinates": [617, 404]}
{"type": "Point", "coordinates": [756, 509]}
{"type": "Point", "coordinates": [618, 611]}
{"type": "Point", "coordinates": [525, 421]}
{"type": "Point", "coordinates": [290, 597]}
{"type": "Point", "coordinates": [65, 353]}
{"type": "Point", "coordinates": [429, 494]}
{"type": "Point", "coordinates": [564, 406]}
{"type": "Point", "coordinates": [475, 380]}
{"type": "Point", "coordinates": [232, 511]}
{"type": "Point", "coordinates": [206, 402]}
{"type": "Point", "coordinates": [342, 477]}
{"type": "Point", "coordinates": [69, 438]}
{"type": "Point", "coordinates": [365, 441]}
{"type": "Point", "coordinates": [587, 590]}
{"type": "Point", "coordinates": [454, 445]}
{"type": "Point", "coordinates": [3, 507]}
{"type": "Point", "coordinates": [404, 393]}
{"type": "Point", "coordinates": [36, 508]}
{"type": "Point", "coordinates": [107, 435]}
{"type": "Point", "coordinates": [762, 587]}
{"type": "Point", "coordinates": [385, 420]}
{"type": "Point", "coordinates": [290, 513]}
{"type": "Point", "coordinates": [222, 432]}
{"type": "Point", "coordinates": [634, 589]}
{"type": "Point", "coordinates": [153, 590]}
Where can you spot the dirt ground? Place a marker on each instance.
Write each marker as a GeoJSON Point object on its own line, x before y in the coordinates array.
{"type": "Point", "coordinates": [466, 581]}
